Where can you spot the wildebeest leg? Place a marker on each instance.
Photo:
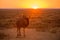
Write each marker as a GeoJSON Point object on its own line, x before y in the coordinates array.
{"type": "Point", "coordinates": [18, 32]}
{"type": "Point", "coordinates": [24, 32]}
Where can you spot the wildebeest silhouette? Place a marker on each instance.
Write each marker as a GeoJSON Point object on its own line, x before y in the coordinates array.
{"type": "Point", "coordinates": [22, 22]}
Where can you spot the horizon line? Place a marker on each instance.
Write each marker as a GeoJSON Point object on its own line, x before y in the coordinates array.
{"type": "Point", "coordinates": [29, 8]}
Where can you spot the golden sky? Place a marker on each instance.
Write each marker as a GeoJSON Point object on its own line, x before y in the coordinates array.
{"type": "Point", "coordinates": [29, 3]}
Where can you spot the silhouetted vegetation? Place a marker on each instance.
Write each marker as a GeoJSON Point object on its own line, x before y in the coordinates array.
{"type": "Point", "coordinates": [2, 35]}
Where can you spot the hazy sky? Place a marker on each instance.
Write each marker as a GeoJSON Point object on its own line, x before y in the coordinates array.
{"type": "Point", "coordinates": [29, 3]}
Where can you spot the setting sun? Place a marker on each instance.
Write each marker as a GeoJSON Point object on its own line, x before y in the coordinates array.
{"type": "Point", "coordinates": [34, 7]}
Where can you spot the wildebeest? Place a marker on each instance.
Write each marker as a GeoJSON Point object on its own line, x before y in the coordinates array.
{"type": "Point", "coordinates": [22, 22]}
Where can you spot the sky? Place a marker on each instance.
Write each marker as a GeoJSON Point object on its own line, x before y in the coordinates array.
{"type": "Point", "coordinates": [29, 3]}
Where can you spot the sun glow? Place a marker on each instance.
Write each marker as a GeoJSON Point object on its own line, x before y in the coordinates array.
{"type": "Point", "coordinates": [35, 7]}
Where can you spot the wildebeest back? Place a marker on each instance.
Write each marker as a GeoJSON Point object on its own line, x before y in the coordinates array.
{"type": "Point", "coordinates": [22, 22]}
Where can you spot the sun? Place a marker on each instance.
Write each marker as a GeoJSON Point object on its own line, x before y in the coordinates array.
{"type": "Point", "coordinates": [35, 7]}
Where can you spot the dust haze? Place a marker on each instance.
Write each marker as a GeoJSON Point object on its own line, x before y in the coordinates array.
{"type": "Point", "coordinates": [44, 24]}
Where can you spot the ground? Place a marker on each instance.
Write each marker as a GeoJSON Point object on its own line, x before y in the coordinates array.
{"type": "Point", "coordinates": [31, 34]}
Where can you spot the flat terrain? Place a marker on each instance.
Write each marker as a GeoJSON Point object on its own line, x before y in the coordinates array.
{"type": "Point", "coordinates": [47, 20]}
{"type": "Point", "coordinates": [31, 34]}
